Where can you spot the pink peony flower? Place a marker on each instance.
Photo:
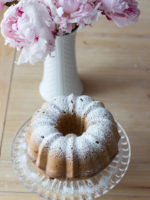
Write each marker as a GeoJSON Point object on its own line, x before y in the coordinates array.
{"type": "Point", "coordinates": [122, 12]}
{"type": "Point", "coordinates": [31, 25]}
{"type": "Point", "coordinates": [69, 6]}
{"type": "Point", "coordinates": [2, 3]}
{"type": "Point", "coordinates": [67, 14]}
{"type": "Point", "coordinates": [28, 26]}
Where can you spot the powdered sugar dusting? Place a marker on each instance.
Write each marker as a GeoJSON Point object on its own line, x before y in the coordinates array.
{"type": "Point", "coordinates": [57, 147]}
{"type": "Point", "coordinates": [99, 131]}
{"type": "Point", "coordinates": [62, 103]}
{"type": "Point", "coordinates": [87, 146]}
{"type": "Point", "coordinates": [71, 103]}
{"type": "Point", "coordinates": [81, 103]}
{"type": "Point", "coordinates": [98, 114]}
{"type": "Point", "coordinates": [82, 147]}
{"type": "Point", "coordinates": [41, 132]}
{"type": "Point", "coordinates": [90, 107]}
{"type": "Point", "coordinates": [69, 149]}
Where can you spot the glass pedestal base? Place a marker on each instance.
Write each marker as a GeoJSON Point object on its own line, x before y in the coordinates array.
{"type": "Point", "coordinates": [81, 189]}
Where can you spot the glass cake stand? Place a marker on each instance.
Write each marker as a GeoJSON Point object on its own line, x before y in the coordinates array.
{"type": "Point", "coordinates": [81, 189]}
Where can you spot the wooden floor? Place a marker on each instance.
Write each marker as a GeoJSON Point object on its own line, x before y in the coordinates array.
{"type": "Point", "coordinates": [114, 65]}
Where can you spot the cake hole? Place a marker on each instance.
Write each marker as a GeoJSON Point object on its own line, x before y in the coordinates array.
{"type": "Point", "coordinates": [69, 123]}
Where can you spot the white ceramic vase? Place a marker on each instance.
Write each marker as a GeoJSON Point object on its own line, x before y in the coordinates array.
{"type": "Point", "coordinates": [60, 75]}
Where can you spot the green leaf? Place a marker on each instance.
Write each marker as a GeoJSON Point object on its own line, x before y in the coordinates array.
{"type": "Point", "coordinates": [8, 4]}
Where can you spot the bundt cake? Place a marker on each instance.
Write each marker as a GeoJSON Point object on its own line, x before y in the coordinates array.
{"type": "Point", "coordinates": [72, 137]}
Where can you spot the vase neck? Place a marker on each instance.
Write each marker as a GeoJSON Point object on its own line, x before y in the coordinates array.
{"type": "Point", "coordinates": [65, 40]}
{"type": "Point", "coordinates": [60, 73]}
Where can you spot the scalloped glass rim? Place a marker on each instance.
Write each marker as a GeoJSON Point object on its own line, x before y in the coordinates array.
{"type": "Point", "coordinates": [54, 189]}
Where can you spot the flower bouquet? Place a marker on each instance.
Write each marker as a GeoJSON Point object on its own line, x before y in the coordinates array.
{"type": "Point", "coordinates": [44, 30]}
